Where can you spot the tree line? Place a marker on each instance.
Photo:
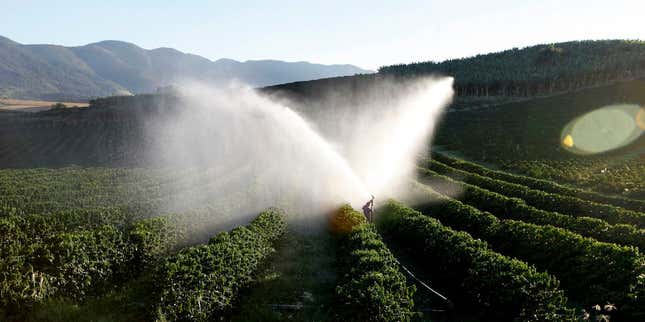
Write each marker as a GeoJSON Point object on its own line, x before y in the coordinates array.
{"type": "Point", "coordinates": [537, 70]}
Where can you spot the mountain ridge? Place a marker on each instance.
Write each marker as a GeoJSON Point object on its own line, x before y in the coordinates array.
{"type": "Point", "coordinates": [113, 67]}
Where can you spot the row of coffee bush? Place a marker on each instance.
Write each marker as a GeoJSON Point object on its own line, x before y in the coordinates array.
{"type": "Point", "coordinates": [541, 184]}
{"type": "Point", "coordinates": [515, 208]}
{"type": "Point", "coordinates": [495, 287]}
{"type": "Point", "coordinates": [371, 287]}
{"type": "Point", "coordinates": [200, 283]}
{"type": "Point", "coordinates": [591, 272]}
{"type": "Point", "coordinates": [548, 201]}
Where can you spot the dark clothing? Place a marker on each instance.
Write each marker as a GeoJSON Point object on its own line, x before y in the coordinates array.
{"type": "Point", "coordinates": [367, 210]}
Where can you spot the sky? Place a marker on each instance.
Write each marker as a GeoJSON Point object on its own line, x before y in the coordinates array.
{"type": "Point", "coordinates": [368, 34]}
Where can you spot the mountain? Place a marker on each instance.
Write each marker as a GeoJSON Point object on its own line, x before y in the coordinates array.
{"type": "Point", "coordinates": [115, 67]}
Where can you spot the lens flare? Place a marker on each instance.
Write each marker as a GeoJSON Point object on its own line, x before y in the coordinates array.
{"type": "Point", "coordinates": [640, 118]}
{"type": "Point", "coordinates": [568, 141]}
{"type": "Point", "coordinates": [604, 129]}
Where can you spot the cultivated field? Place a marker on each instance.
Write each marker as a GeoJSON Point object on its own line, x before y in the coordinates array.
{"type": "Point", "coordinates": [8, 104]}
{"type": "Point", "coordinates": [85, 235]}
{"type": "Point", "coordinates": [501, 221]}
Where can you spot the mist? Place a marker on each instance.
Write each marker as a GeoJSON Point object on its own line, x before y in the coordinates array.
{"type": "Point", "coordinates": [253, 150]}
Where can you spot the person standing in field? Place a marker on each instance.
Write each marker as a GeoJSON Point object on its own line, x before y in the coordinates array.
{"type": "Point", "coordinates": [368, 209]}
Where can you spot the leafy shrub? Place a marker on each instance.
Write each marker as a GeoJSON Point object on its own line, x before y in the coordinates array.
{"type": "Point", "coordinates": [371, 287]}
{"type": "Point", "coordinates": [21, 285]}
{"type": "Point", "coordinates": [151, 239]}
{"type": "Point", "coordinates": [19, 234]}
{"type": "Point", "coordinates": [345, 219]}
{"type": "Point", "coordinates": [76, 253]}
{"type": "Point", "coordinates": [73, 265]}
{"type": "Point", "coordinates": [200, 283]}
{"type": "Point", "coordinates": [87, 262]}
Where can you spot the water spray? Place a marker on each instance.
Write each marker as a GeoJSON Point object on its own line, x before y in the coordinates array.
{"type": "Point", "coordinates": [299, 161]}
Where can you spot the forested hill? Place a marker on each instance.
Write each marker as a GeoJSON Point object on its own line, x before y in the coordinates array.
{"type": "Point", "coordinates": [538, 70]}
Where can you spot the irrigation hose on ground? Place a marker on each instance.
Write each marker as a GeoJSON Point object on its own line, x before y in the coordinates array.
{"type": "Point", "coordinates": [448, 302]}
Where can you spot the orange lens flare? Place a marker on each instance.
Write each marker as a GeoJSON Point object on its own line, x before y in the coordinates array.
{"type": "Point", "coordinates": [640, 118]}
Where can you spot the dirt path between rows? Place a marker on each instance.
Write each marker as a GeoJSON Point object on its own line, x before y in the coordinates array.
{"type": "Point", "coordinates": [297, 284]}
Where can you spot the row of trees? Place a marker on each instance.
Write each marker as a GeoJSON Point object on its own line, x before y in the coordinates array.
{"type": "Point", "coordinates": [537, 70]}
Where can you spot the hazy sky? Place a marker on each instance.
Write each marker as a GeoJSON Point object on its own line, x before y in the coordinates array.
{"type": "Point", "coordinates": [365, 33]}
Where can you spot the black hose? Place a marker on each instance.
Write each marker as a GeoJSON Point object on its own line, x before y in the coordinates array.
{"type": "Point", "coordinates": [425, 285]}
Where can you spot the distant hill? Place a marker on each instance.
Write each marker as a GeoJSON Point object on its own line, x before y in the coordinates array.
{"type": "Point", "coordinates": [114, 67]}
